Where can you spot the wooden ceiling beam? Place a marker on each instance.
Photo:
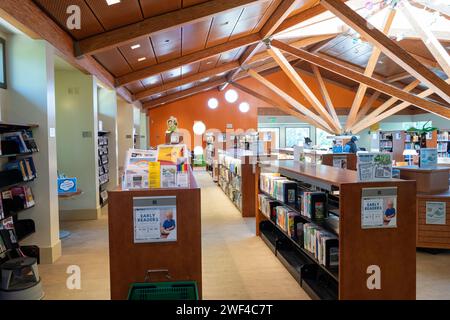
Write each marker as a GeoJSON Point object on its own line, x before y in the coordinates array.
{"type": "Point", "coordinates": [436, 5]}
{"type": "Point", "coordinates": [186, 59]}
{"type": "Point", "coordinates": [368, 122]}
{"type": "Point", "coordinates": [183, 94]}
{"type": "Point", "coordinates": [277, 103]}
{"type": "Point", "coordinates": [388, 47]}
{"type": "Point", "coordinates": [387, 104]}
{"type": "Point", "coordinates": [164, 22]}
{"type": "Point", "coordinates": [283, 10]}
{"type": "Point", "coordinates": [298, 44]}
{"type": "Point", "coordinates": [30, 17]}
{"type": "Point", "coordinates": [301, 85]}
{"type": "Point", "coordinates": [307, 112]}
{"type": "Point", "coordinates": [361, 78]}
{"type": "Point", "coordinates": [326, 96]}
{"type": "Point", "coordinates": [398, 77]}
{"type": "Point", "coordinates": [370, 68]}
{"type": "Point", "coordinates": [429, 39]}
{"type": "Point", "coordinates": [181, 82]}
{"type": "Point", "coordinates": [367, 106]}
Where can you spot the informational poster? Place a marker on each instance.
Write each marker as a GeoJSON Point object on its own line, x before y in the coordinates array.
{"type": "Point", "coordinates": [436, 213]}
{"type": "Point", "coordinates": [340, 162]}
{"type": "Point", "coordinates": [379, 208]}
{"type": "Point", "coordinates": [154, 175]}
{"type": "Point", "coordinates": [155, 219]}
{"type": "Point", "coordinates": [374, 166]}
{"type": "Point", "coordinates": [171, 153]}
{"type": "Point", "coordinates": [428, 157]}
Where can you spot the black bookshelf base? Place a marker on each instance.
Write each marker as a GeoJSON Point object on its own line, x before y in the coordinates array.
{"type": "Point", "coordinates": [317, 283]}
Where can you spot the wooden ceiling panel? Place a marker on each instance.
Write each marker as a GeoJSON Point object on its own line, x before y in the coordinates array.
{"type": "Point", "coordinates": [255, 11]}
{"type": "Point", "coordinates": [57, 11]}
{"type": "Point", "coordinates": [172, 91]}
{"type": "Point", "coordinates": [167, 45]}
{"type": "Point", "coordinates": [209, 63]}
{"type": "Point", "coordinates": [117, 15]}
{"type": "Point", "coordinates": [223, 26]}
{"type": "Point", "coordinates": [152, 8]}
{"type": "Point", "coordinates": [195, 36]}
{"type": "Point", "coordinates": [417, 46]}
{"type": "Point", "coordinates": [187, 86]}
{"type": "Point", "coordinates": [190, 69]}
{"type": "Point", "coordinates": [229, 56]}
{"type": "Point", "coordinates": [135, 87]}
{"type": "Point", "coordinates": [171, 75]}
{"type": "Point", "coordinates": [386, 67]}
{"type": "Point", "coordinates": [113, 61]}
{"type": "Point", "coordinates": [133, 56]}
{"type": "Point", "coordinates": [303, 5]}
{"type": "Point", "coordinates": [244, 27]}
{"type": "Point", "coordinates": [151, 82]}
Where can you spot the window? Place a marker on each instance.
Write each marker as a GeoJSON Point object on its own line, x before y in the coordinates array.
{"type": "Point", "coordinates": [296, 136]}
{"type": "Point", "coordinates": [275, 136]}
{"type": "Point", "coordinates": [2, 64]}
{"type": "Point", "coordinates": [322, 140]}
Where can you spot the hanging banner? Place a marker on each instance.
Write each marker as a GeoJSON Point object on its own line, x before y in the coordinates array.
{"type": "Point", "coordinates": [379, 208]}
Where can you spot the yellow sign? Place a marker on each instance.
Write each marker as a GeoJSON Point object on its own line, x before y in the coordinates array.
{"type": "Point", "coordinates": [170, 153]}
{"type": "Point", "coordinates": [154, 175]}
{"type": "Point", "coordinates": [375, 127]}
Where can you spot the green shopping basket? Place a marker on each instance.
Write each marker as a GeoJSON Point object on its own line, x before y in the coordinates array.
{"type": "Point", "coordinates": [179, 290]}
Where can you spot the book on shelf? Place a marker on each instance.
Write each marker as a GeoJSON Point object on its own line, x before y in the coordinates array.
{"type": "Point", "coordinates": [16, 199]}
{"type": "Point", "coordinates": [18, 142]}
{"type": "Point", "coordinates": [280, 188]}
{"type": "Point", "coordinates": [322, 244]}
{"type": "Point", "coordinates": [315, 205]}
{"type": "Point", "coordinates": [25, 166]}
{"type": "Point", "coordinates": [2, 213]}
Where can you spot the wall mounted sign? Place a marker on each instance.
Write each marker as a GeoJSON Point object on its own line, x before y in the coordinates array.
{"type": "Point", "coordinates": [436, 213]}
{"type": "Point", "coordinates": [155, 219]}
{"type": "Point", "coordinates": [379, 208]}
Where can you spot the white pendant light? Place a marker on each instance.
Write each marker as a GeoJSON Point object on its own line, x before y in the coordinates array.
{"type": "Point", "coordinates": [199, 128]}
{"type": "Point", "coordinates": [213, 103]}
{"type": "Point", "coordinates": [198, 150]}
{"type": "Point", "coordinates": [231, 96]}
{"type": "Point", "coordinates": [244, 107]}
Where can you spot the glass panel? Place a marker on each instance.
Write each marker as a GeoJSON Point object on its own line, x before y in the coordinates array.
{"type": "Point", "coordinates": [321, 138]}
{"type": "Point", "coordinates": [296, 136]}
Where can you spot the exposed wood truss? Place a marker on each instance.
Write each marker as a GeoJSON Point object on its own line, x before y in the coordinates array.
{"type": "Point", "coordinates": [361, 78]}
{"type": "Point", "coordinates": [278, 103]}
{"type": "Point", "coordinates": [280, 14]}
{"type": "Point", "coordinates": [303, 88]}
{"type": "Point", "coordinates": [389, 47]}
{"type": "Point", "coordinates": [301, 108]}
{"type": "Point", "coordinates": [370, 68]}
{"type": "Point", "coordinates": [368, 122]}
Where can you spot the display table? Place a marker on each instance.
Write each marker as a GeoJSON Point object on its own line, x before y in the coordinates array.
{"type": "Point", "coordinates": [129, 261]}
{"type": "Point", "coordinates": [433, 192]}
{"type": "Point", "coordinates": [429, 181]}
{"type": "Point", "coordinates": [344, 160]}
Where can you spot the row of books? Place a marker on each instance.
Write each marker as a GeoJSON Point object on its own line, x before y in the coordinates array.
{"type": "Point", "coordinates": [322, 244]}
{"type": "Point", "coordinates": [280, 188]}
{"type": "Point", "coordinates": [442, 147]}
{"type": "Point", "coordinates": [233, 164]}
{"type": "Point", "coordinates": [25, 166]}
{"type": "Point", "coordinates": [103, 141]}
{"type": "Point", "coordinates": [17, 142]}
{"type": "Point", "coordinates": [15, 199]}
{"type": "Point", "coordinates": [314, 205]}
{"type": "Point", "coordinates": [443, 136]}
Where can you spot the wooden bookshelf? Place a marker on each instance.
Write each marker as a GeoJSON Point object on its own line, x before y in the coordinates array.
{"type": "Point", "coordinates": [129, 261]}
{"type": "Point", "coordinates": [358, 248]}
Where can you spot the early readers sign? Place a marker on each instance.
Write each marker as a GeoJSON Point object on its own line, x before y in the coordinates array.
{"type": "Point", "coordinates": [379, 208]}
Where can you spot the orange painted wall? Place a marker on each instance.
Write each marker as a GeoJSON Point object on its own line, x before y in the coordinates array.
{"type": "Point", "coordinates": [195, 108]}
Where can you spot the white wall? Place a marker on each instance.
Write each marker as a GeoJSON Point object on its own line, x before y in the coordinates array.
{"type": "Point", "coordinates": [30, 98]}
{"type": "Point", "coordinates": [125, 122]}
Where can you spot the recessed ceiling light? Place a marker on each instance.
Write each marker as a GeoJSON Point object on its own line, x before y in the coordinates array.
{"type": "Point", "coordinates": [111, 2]}
{"type": "Point", "coordinates": [142, 59]}
{"type": "Point", "coordinates": [136, 46]}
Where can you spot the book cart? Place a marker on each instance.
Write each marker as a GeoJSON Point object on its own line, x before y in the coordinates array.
{"type": "Point", "coordinates": [361, 251]}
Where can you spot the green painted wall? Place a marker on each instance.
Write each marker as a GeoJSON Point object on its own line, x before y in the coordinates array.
{"type": "Point", "coordinates": [76, 130]}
